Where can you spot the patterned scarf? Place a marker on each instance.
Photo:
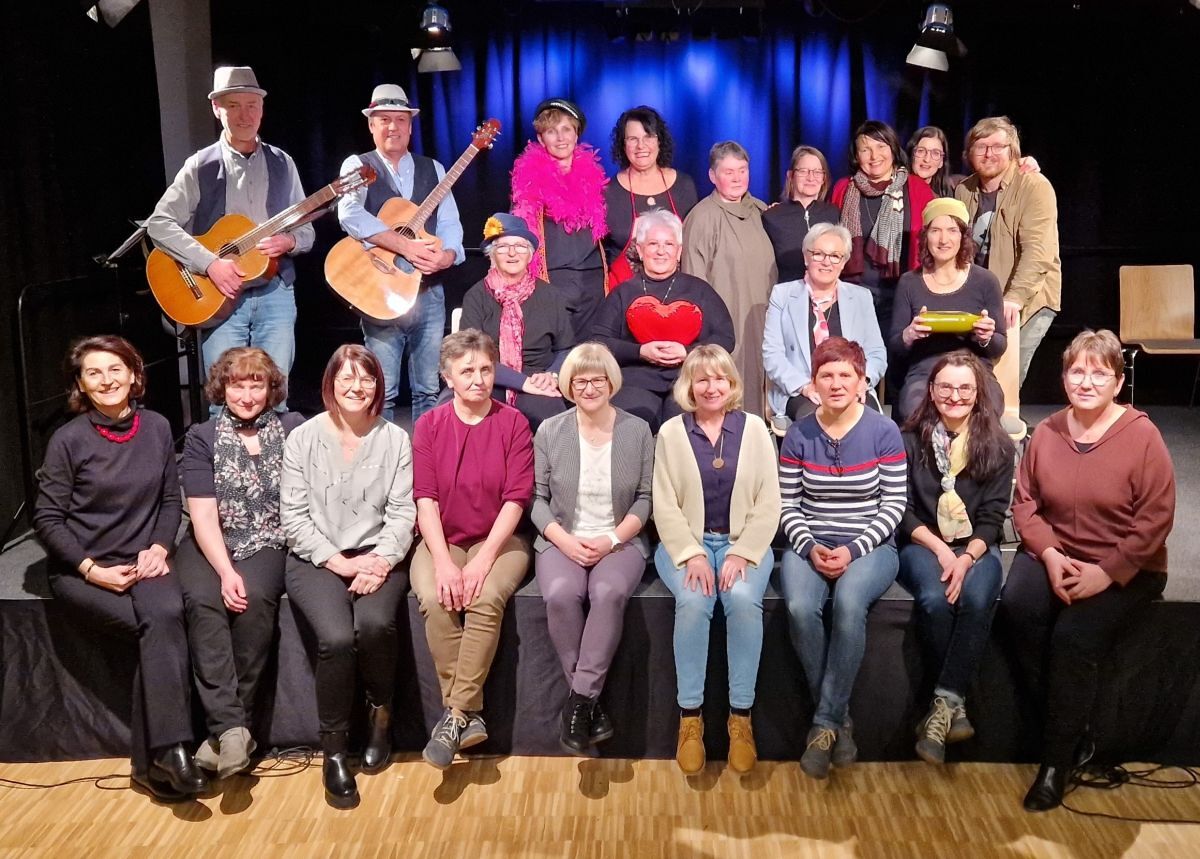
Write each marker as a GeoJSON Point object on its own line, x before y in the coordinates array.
{"type": "Point", "coordinates": [510, 297]}
{"type": "Point", "coordinates": [950, 456]}
{"type": "Point", "coordinates": [248, 493]}
{"type": "Point", "coordinates": [882, 247]}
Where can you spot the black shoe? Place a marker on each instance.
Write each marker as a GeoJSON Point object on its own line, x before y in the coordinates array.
{"type": "Point", "coordinates": [1047, 789]}
{"type": "Point", "coordinates": [378, 750]}
{"type": "Point", "coordinates": [161, 791]}
{"type": "Point", "coordinates": [173, 766]}
{"type": "Point", "coordinates": [602, 726]}
{"type": "Point", "coordinates": [575, 735]}
{"type": "Point", "coordinates": [340, 789]}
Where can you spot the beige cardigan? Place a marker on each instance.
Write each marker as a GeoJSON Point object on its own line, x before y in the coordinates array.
{"type": "Point", "coordinates": [678, 495]}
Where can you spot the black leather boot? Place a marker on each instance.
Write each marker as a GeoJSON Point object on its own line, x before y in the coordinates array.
{"type": "Point", "coordinates": [340, 789]}
{"type": "Point", "coordinates": [602, 726]}
{"type": "Point", "coordinates": [1047, 789]}
{"type": "Point", "coordinates": [173, 766]}
{"type": "Point", "coordinates": [378, 750]}
{"type": "Point", "coordinates": [575, 735]}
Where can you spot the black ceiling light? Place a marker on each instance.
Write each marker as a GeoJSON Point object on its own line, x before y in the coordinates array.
{"type": "Point", "coordinates": [435, 53]}
{"type": "Point", "coordinates": [937, 42]}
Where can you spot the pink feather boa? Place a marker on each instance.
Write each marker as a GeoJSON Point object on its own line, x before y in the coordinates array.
{"type": "Point", "coordinates": [574, 199]}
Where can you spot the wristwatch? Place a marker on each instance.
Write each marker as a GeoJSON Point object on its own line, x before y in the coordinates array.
{"type": "Point", "coordinates": [616, 541]}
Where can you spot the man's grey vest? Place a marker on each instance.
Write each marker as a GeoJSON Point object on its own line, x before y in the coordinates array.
{"type": "Point", "coordinates": [381, 190]}
{"type": "Point", "coordinates": [210, 175]}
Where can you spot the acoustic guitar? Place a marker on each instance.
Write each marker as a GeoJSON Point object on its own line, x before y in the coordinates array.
{"type": "Point", "coordinates": [381, 285]}
{"type": "Point", "coordinates": [190, 298]}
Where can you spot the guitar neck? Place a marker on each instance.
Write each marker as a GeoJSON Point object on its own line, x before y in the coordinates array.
{"type": "Point", "coordinates": [417, 222]}
{"type": "Point", "coordinates": [284, 221]}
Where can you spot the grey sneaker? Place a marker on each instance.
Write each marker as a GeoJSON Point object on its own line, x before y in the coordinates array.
{"type": "Point", "coordinates": [236, 746]}
{"type": "Point", "coordinates": [932, 730]}
{"type": "Point", "coordinates": [960, 726]}
{"type": "Point", "coordinates": [445, 741]}
{"type": "Point", "coordinates": [817, 751]}
{"type": "Point", "coordinates": [207, 755]}
{"type": "Point", "coordinates": [845, 752]}
{"type": "Point", "coordinates": [474, 733]}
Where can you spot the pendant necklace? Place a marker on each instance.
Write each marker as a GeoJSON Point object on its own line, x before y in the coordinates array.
{"type": "Point", "coordinates": [670, 286]}
{"type": "Point", "coordinates": [719, 460]}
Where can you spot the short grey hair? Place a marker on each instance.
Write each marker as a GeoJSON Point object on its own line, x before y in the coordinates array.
{"type": "Point", "coordinates": [726, 149]}
{"type": "Point", "coordinates": [491, 252]}
{"type": "Point", "coordinates": [817, 230]}
{"type": "Point", "coordinates": [657, 218]}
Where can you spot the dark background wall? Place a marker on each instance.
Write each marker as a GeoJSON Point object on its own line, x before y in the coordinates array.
{"type": "Point", "coordinates": [1103, 93]}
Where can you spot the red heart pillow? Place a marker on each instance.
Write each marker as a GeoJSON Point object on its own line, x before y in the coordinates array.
{"type": "Point", "coordinates": [649, 319]}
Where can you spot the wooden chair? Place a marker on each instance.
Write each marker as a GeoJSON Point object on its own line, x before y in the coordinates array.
{"type": "Point", "coordinates": [1158, 314]}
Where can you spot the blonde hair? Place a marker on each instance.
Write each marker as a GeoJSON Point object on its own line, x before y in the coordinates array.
{"type": "Point", "coordinates": [590, 357]}
{"type": "Point", "coordinates": [714, 359]}
{"type": "Point", "coordinates": [988, 126]}
{"type": "Point", "coordinates": [1102, 345]}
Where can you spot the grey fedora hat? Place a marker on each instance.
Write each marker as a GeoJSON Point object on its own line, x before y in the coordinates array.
{"type": "Point", "coordinates": [389, 97]}
{"type": "Point", "coordinates": [227, 79]}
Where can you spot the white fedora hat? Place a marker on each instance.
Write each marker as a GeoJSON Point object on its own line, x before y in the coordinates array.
{"type": "Point", "coordinates": [389, 97]}
{"type": "Point", "coordinates": [227, 79]}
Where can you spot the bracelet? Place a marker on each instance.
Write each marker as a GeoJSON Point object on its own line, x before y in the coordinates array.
{"type": "Point", "coordinates": [87, 574]}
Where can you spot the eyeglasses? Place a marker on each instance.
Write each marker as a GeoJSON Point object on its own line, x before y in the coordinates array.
{"type": "Point", "coordinates": [1098, 378]}
{"type": "Point", "coordinates": [988, 148]}
{"type": "Point", "coordinates": [945, 390]}
{"type": "Point", "coordinates": [645, 138]}
{"type": "Point", "coordinates": [518, 248]}
{"type": "Point", "coordinates": [581, 385]}
{"type": "Point", "coordinates": [835, 447]}
{"type": "Point", "coordinates": [803, 173]}
{"type": "Point", "coordinates": [364, 382]}
{"type": "Point", "coordinates": [821, 256]}
{"type": "Point", "coordinates": [931, 154]}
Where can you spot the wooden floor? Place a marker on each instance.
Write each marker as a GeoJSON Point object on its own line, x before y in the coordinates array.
{"type": "Point", "coordinates": [562, 807]}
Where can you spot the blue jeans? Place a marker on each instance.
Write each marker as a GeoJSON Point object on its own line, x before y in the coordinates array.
{"type": "Point", "coordinates": [831, 662]}
{"type": "Point", "coordinates": [742, 605]}
{"type": "Point", "coordinates": [264, 316]}
{"type": "Point", "coordinates": [954, 635]}
{"type": "Point", "coordinates": [421, 331]}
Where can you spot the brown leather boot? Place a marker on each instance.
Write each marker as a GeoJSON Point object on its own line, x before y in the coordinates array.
{"type": "Point", "coordinates": [743, 754]}
{"type": "Point", "coordinates": [689, 754]}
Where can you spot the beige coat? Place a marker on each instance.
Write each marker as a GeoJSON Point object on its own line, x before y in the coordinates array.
{"type": "Point", "coordinates": [1024, 242]}
{"type": "Point", "coordinates": [678, 494]}
{"type": "Point", "coordinates": [725, 244]}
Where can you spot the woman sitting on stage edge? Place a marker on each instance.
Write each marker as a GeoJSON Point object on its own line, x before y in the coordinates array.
{"type": "Point", "coordinates": [593, 469]}
{"type": "Point", "coordinates": [107, 512]}
{"type": "Point", "coordinates": [960, 470]}
{"type": "Point", "coordinates": [474, 479]}
{"type": "Point", "coordinates": [347, 509]}
{"type": "Point", "coordinates": [716, 504]}
{"type": "Point", "coordinates": [1094, 504]}
{"type": "Point", "coordinates": [231, 562]}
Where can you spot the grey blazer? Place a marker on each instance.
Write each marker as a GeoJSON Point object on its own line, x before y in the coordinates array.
{"type": "Point", "coordinates": [556, 474]}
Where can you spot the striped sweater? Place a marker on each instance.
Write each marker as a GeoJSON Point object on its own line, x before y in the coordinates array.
{"type": "Point", "coordinates": [846, 493]}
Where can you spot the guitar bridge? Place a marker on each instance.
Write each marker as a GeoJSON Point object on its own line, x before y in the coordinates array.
{"type": "Point", "coordinates": [191, 283]}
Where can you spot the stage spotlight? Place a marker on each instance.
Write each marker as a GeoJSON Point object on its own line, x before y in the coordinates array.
{"type": "Point", "coordinates": [936, 42]}
{"type": "Point", "coordinates": [435, 53]}
{"type": "Point", "coordinates": [111, 11]}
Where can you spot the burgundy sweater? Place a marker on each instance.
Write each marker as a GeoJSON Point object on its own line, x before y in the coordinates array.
{"type": "Point", "coordinates": [472, 470]}
{"type": "Point", "coordinates": [1112, 506]}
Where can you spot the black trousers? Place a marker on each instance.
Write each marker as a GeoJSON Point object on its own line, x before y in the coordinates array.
{"type": "Point", "coordinates": [230, 650]}
{"type": "Point", "coordinates": [1062, 649]}
{"type": "Point", "coordinates": [151, 613]}
{"type": "Point", "coordinates": [352, 632]}
{"type": "Point", "coordinates": [652, 407]}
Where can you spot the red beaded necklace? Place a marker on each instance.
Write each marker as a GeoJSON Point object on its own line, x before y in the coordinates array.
{"type": "Point", "coordinates": [121, 437]}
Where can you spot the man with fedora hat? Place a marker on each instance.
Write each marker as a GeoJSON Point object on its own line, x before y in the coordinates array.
{"type": "Point", "coordinates": [403, 173]}
{"type": "Point", "coordinates": [239, 174]}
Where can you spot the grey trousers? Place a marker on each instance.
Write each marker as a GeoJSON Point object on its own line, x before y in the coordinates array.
{"type": "Point", "coordinates": [1032, 333]}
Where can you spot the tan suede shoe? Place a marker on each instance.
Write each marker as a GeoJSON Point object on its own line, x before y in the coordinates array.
{"type": "Point", "coordinates": [743, 754]}
{"type": "Point", "coordinates": [689, 754]}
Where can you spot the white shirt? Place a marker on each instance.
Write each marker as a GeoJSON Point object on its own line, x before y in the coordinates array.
{"type": "Point", "coordinates": [593, 504]}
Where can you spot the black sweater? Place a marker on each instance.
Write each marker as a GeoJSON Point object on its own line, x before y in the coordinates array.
{"type": "Point", "coordinates": [980, 291]}
{"type": "Point", "coordinates": [106, 501]}
{"type": "Point", "coordinates": [987, 502]}
{"type": "Point", "coordinates": [611, 329]}
{"type": "Point", "coordinates": [786, 228]}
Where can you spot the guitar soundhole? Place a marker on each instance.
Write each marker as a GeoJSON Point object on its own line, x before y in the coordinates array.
{"type": "Point", "coordinates": [406, 232]}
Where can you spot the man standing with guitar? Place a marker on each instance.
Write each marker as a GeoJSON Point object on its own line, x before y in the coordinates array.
{"type": "Point", "coordinates": [404, 174]}
{"type": "Point", "coordinates": [239, 174]}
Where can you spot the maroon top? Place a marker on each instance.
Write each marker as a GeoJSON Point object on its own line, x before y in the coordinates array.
{"type": "Point", "coordinates": [472, 470]}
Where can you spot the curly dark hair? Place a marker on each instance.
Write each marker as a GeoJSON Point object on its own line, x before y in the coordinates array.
{"type": "Point", "coordinates": [966, 250]}
{"type": "Point", "coordinates": [989, 448]}
{"type": "Point", "coordinates": [245, 362]}
{"type": "Point", "coordinates": [653, 122]}
{"type": "Point", "coordinates": [77, 400]}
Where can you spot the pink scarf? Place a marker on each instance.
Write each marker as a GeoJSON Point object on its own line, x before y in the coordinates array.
{"type": "Point", "coordinates": [510, 297]}
{"type": "Point", "coordinates": [574, 199]}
